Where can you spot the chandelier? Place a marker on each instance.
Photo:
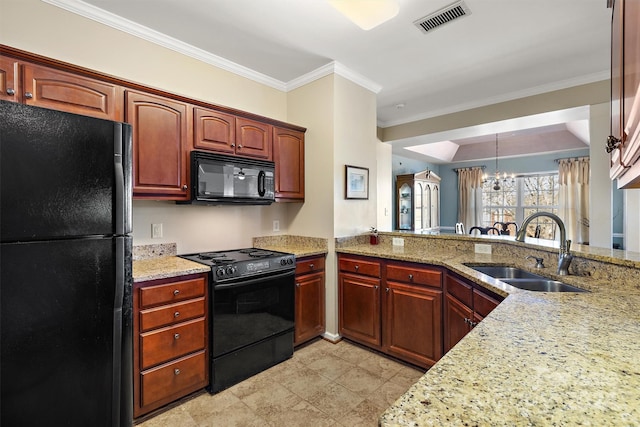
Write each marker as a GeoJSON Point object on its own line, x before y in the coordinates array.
{"type": "Point", "coordinates": [499, 177]}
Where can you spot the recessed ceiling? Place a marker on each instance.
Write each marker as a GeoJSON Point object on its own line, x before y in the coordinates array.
{"type": "Point", "coordinates": [501, 50]}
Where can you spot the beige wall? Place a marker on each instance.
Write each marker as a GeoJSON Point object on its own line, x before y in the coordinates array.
{"type": "Point", "coordinates": [600, 185]}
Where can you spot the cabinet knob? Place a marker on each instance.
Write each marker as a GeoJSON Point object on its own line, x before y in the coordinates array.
{"type": "Point", "coordinates": [311, 266]}
{"type": "Point", "coordinates": [298, 285]}
{"type": "Point", "coordinates": [239, 146]}
{"type": "Point", "coordinates": [376, 287]}
{"type": "Point", "coordinates": [176, 292]}
{"type": "Point", "coordinates": [387, 290]}
{"type": "Point", "coordinates": [176, 314]}
{"type": "Point", "coordinates": [28, 95]}
{"type": "Point", "coordinates": [184, 187]}
{"type": "Point", "coordinates": [411, 277]}
{"type": "Point", "coordinates": [176, 371]}
{"type": "Point", "coordinates": [176, 336]}
{"type": "Point", "coordinates": [612, 143]}
{"type": "Point", "coordinates": [357, 267]}
{"type": "Point", "coordinates": [11, 92]}
{"type": "Point", "coordinates": [466, 320]}
{"type": "Point", "coordinates": [233, 145]}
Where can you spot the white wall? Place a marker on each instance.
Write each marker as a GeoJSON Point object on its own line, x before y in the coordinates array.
{"type": "Point", "coordinates": [386, 187]}
{"type": "Point", "coordinates": [632, 220]}
{"type": "Point", "coordinates": [600, 191]}
{"type": "Point", "coordinates": [355, 145]}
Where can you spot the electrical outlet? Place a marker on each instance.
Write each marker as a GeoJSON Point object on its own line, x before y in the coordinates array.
{"type": "Point", "coordinates": [398, 241]}
{"type": "Point", "coordinates": [156, 231]}
{"type": "Point", "coordinates": [483, 249]}
{"type": "Point", "coordinates": [276, 225]}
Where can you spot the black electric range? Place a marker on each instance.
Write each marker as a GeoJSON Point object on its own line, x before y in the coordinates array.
{"type": "Point", "coordinates": [251, 312]}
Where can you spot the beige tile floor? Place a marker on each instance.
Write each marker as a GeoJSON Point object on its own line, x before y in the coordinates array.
{"type": "Point", "coordinates": [323, 384]}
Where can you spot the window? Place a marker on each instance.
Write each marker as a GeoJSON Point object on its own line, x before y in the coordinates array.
{"type": "Point", "coordinates": [517, 199]}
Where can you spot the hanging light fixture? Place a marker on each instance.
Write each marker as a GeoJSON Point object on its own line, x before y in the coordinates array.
{"type": "Point", "coordinates": [367, 14]}
{"type": "Point", "coordinates": [499, 177]}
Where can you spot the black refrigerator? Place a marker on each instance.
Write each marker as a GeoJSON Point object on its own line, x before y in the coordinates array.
{"type": "Point", "coordinates": [65, 269]}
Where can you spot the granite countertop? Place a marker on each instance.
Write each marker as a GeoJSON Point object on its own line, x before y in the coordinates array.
{"type": "Point", "coordinates": [165, 266]}
{"type": "Point", "coordinates": [537, 359]}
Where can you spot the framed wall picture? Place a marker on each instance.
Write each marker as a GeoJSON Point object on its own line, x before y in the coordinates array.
{"type": "Point", "coordinates": [357, 182]}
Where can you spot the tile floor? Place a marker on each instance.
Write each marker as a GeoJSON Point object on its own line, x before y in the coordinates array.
{"type": "Point", "coordinates": [323, 384]}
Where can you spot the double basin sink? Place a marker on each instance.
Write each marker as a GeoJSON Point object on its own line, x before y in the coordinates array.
{"type": "Point", "coordinates": [523, 279]}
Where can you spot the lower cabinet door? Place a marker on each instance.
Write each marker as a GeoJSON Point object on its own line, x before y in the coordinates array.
{"type": "Point", "coordinates": [162, 383]}
{"type": "Point", "coordinates": [456, 321]}
{"type": "Point", "coordinates": [359, 306]}
{"type": "Point", "coordinates": [309, 307]}
{"type": "Point", "coordinates": [413, 326]}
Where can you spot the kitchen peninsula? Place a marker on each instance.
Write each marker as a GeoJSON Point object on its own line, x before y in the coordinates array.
{"type": "Point", "coordinates": [538, 358]}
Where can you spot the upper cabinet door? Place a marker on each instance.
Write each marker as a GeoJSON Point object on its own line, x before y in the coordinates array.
{"type": "Point", "coordinates": [625, 93]}
{"type": "Point", "coordinates": [58, 90]}
{"type": "Point", "coordinates": [214, 130]}
{"type": "Point", "coordinates": [288, 154]}
{"type": "Point", "coordinates": [9, 81]}
{"type": "Point", "coordinates": [160, 155]}
{"type": "Point", "coordinates": [253, 139]}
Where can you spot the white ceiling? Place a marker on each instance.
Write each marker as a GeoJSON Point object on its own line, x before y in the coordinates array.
{"type": "Point", "coordinates": [505, 49]}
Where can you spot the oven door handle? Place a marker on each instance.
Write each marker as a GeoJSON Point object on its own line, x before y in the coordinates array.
{"type": "Point", "coordinates": [254, 281]}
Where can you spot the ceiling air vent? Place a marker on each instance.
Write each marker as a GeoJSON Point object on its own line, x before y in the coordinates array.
{"type": "Point", "coordinates": [447, 14]}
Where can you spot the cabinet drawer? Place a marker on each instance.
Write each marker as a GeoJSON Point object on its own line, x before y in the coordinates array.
{"type": "Point", "coordinates": [483, 304]}
{"type": "Point", "coordinates": [367, 268]}
{"type": "Point", "coordinates": [168, 343]}
{"type": "Point", "coordinates": [418, 276]}
{"type": "Point", "coordinates": [166, 380]}
{"type": "Point", "coordinates": [165, 315]}
{"type": "Point", "coordinates": [309, 265]}
{"type": "Point", "coordinates": [460, 290]}
{"type": "Point", "coordinates": [172, 292]}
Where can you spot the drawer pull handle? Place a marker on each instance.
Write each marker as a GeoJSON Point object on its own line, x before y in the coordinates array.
{"type": "Point", "coordinates": [311, 266]}
{"type": "Point", "coordinates": [411, 277]}
{"type": "Point", "coordinates": [176, 314]}
{"type": "Point", "coordinates": [176, 292]}
{"type": "Point", "coordinates": [176, 336]}
{"type": "Point", "coordinates": [176, 371]}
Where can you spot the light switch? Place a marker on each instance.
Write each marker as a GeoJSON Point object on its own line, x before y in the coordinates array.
{"type": "Point", "coordinates": [156, 231]}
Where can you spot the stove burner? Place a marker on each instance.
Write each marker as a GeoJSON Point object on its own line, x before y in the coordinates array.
{"type": "Point", "coordinates": [256, 253]}
{"type": "Point", "coordinates": [215, 257]}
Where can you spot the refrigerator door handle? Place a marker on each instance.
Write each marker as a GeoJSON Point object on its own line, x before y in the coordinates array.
{"type": "Point", "coordinates": [122, 169]}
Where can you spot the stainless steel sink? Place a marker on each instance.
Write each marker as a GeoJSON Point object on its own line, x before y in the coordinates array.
{"type": "Point", "coordinates": [541, 285]}
{"type": "Point", "coordinates": [504, 272]}
{"type": "Point", "coordinates": [523, 279]}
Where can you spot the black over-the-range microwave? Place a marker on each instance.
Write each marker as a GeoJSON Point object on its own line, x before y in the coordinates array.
{"type": "Point", "coordinates": [217, 179]}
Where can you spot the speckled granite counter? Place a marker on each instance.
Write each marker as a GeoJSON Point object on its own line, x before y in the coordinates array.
{"type": "Point", "coordinates": [539, 358]}
{"type": "Point", "coordinates": [152, 262]}
{"type": "Point", "coordinates": [300, 246]}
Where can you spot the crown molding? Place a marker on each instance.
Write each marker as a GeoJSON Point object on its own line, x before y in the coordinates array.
{"type": "Point", "coordinates": [334, 67]}
{"type": "Point", "coordinates": [122, 24]}
{"type": "Point", "coordinates": [114, 21]}
{"type": "Point", "coordinates": [537, 90]}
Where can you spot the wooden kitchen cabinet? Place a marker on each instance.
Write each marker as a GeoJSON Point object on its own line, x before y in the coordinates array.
{"type": "Point", "coordinates": [170, 330]}
{"type": "Point", "coordinates": [404, 321]}
{"type": "Point", "coordinates": [625, 93]}
{"type": "Point", "coordinates": [465, 306]}
{"type": "Point", "coordinates": [160, 146]}
{"type": "Point", "coordinates": [309, 299]}
{"type": "Point", "coordinates": [46, 87]}
{"type": "Point", "coordinates": [359, 281]}
{"type": "Point", "coordinates": [288, 155]}
{"type": "Point", "coordinates": [413, 313]}
{"type": "Point", "coordinates": [253, 139]}
{"type": "Point", "coordinates": [214, 131]}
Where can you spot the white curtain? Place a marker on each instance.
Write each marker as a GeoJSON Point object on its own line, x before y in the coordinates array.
{"type": "Point", "coordinates": [573, 176]}
{"type": "Point", "coordinates": [470, 197]}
